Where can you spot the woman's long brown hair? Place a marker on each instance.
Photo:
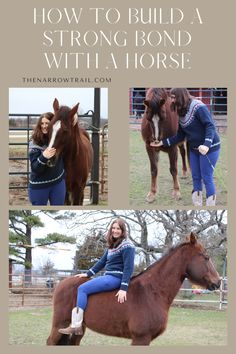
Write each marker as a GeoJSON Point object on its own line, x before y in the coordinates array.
{"type": "Point", "coordinates": [112, 242]}
{"type": "Point", "coordinates": [182, 100]}
{"type": "Point", "coordinates": [38, 137]}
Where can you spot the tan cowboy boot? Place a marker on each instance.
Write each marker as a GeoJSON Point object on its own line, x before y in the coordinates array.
{"type": "Point", "coordinates": [211, 201]}
{"type": "Point", "coordinates": [75, 327]}
{"type": "Point", "coordinates": [197, 198]}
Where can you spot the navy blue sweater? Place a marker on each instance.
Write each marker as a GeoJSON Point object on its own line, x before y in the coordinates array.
{"type": "Point", "coordinates": [118, 262]}
{"type": "Point", "coordinates": [43, 172]}
{"type": "Point", "coordinates": [197, 127]}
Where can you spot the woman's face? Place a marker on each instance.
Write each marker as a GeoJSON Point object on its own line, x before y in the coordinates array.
{"type": "Point", "coordinates": [44, 125]}
{"type": "Point", "coordinates": [173, 98]}
{"type": "Point", "coordinates": [116, 230]}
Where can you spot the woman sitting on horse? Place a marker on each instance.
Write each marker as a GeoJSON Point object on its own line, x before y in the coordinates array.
{"type": "Point", "coordinates": [196, 125]}
{"type": "Point", "coordinates": [118, 261]}
{"type": "Point", "coordinates": [47, 177]}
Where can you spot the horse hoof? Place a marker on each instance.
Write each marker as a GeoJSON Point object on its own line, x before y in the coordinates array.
{"type": "Point", "coordinates": [176, 195]}
{"type": "Point", "coordinates": [150, 198]}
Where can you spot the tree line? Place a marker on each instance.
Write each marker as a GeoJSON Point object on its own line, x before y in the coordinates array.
{"type": "Point", "coordinates": [152, 231]}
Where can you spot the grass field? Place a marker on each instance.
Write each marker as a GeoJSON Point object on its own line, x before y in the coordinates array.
{"type": "Point", "coordinates": [140, 177]}
{"type": "Point", "coordinates": [185, 327]}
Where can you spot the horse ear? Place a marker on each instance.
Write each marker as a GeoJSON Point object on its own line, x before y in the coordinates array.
{"type": "Point", "coordinates": [74, 110]}
{"type": "Point", "coordinates": [192, 238]}
{"type": "Point", "coordinates": [146, 103]}
{"type": "Point", "coordinates": [56, 105]}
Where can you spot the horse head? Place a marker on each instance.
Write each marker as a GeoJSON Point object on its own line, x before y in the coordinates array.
{"type": "Point", "coordinates": [200, 269]}
{"type": "Point", "coordinates": [154, 102]}
{"type": "Point", "coordinates": [61, 135]}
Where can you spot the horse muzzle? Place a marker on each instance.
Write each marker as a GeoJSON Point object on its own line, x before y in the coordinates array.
{"type": "Point", "coordinates": [214, 286]}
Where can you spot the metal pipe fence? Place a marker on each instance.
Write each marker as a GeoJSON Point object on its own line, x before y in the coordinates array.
{"type": "Point", "coordinates": [214, 98]}
{"type": "Point", "coordinates": [39, 292]}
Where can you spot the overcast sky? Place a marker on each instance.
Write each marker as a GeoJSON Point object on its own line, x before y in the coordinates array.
{"type": "Point", "coordinates": [63, 255]}
{"type": "Point", "coordinates": [40, 100]}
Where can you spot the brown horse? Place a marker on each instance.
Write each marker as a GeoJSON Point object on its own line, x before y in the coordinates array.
{"type": "Point", "coordinates": [160, 121]}
{"type": "Point", "coordinates": [144, 315]}
{"type": "Point", "coordinates": [73, 142]}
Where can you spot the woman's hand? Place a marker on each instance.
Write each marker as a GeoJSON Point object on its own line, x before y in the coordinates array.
{"type": "Point", "coordinates": [156, 143]}
{"type": "Point", "coordinates": [82, 275]}
{"type": "Point", "coordinates": [203, 149]}
{"type": "Point", "coordinates": [122, 296]}
{"type": "Point", "coordinates": [49, 152]}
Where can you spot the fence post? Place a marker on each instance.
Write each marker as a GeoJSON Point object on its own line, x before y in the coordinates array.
{"type": "Point", "coordinates": [96, 147]}
{"type": "Point", "coordinates": [221, 293]}
{"type": "Point", "coordinates": [23, 290]}
{"type": "Point", "coordinates": [104, 155]}
{"type": "Point", "coordinates": [27, 151]}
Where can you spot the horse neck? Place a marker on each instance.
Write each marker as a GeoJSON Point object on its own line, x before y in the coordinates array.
{"type": "Point", "coordinates": [74, 141]}
{"type": "Point", "coordinates": [168, 274]}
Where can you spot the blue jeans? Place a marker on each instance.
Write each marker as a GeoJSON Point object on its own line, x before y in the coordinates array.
{"type": "Point", "coordinates": [54, 194]}
{"type": "Point", "coordinates": [96, 285]}
{"type": "Point", "coordinates": [202, 167]}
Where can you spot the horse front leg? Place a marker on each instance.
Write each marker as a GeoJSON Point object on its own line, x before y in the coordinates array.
{"type": "Point", "coordinates": [173, 158]}
{"type": "Point", "coordinates": [153, 159]}
{"type": "Point", "coordinates": [57, 338]}
{"type": "Point", "coordinates": [78, 195]}
{"type": "Point", "coordinates": [183, 156]}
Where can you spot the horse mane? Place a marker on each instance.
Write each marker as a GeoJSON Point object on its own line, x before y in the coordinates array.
{"type": "Point", "coordinates": [169, 252]}
{"type": "Point", "coordinates": [62, 113]}
{"type": "Point", "coordinates": [157, 93]}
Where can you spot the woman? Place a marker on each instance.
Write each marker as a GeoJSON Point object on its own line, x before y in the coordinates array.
{"type": "Point", "coordinates": [118, 260]}
{"type": "Point", "coordinates": [47, 177]}
{"type": "Point", "coordinates": [197, 127]}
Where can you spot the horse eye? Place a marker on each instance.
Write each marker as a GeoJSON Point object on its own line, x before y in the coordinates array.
{"type": "Point", "coordinates": [205, 256]}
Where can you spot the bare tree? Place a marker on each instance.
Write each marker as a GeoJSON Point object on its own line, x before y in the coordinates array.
{"type": "Point", "coordinates": [48, 268]}
{"type": "Point", "coordinates": [154, 231]}
{"type": "Point", "coordinates": [90, 251]}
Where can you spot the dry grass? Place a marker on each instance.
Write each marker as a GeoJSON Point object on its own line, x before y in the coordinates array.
{"type": "Point", "coordinates": [186, 327]}
{"type": "Point", "coordinates": [140, 177]}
